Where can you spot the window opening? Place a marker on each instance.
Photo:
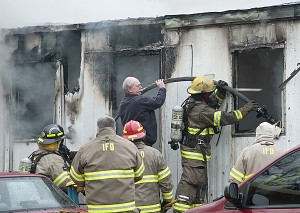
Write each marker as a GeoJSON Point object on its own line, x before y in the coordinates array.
{"type": "Point", "coordinates": [260, 68]}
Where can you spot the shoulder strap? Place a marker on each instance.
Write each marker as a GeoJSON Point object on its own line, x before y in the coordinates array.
{"type": "Point", "coordinates": [35, 158]}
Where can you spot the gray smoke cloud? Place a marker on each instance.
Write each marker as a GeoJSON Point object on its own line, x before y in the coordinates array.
{"type": "Point", "coordinates": [35, 12]}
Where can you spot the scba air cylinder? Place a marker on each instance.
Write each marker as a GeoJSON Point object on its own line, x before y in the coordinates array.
{"type": "Point", "coordinates": [177, 124]}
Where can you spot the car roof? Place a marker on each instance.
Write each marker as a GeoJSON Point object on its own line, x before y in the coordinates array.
{"type": "Point", "coordinates": [18, 174]}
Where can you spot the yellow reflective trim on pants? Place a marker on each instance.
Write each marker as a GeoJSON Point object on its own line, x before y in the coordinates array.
{"type": "Point", "coordinates": [206, 131]}
{"type": "Point", "coordinates": [238, 114]}
{"type": "Point", "coordinates": [102, 175]}
{"type": "Point", "coordinates": [182, 207]}
{"type": "Point", "coordinates": [148, 179]}
{"type": "Point", "coordinates": [164, 173]}
{"type": "Point", "coordinates": [140, 170]}
{"type": "Point", "coordinates": [167, 195]}
{"type": "Point", "coordinates": [150, 208]}
{"type": "Point", "coordinates": [76, 176]}
{"type": "Point", "coordinates": [120, 207]}
{"type": "Point", "coordinates": [196, 204]}
{"type": "Point", "coordinates": [61, 178]}
{"type": "Point", "coordinates": [194, 155]}
{"type": "Point", "coordinates": [217, 118]}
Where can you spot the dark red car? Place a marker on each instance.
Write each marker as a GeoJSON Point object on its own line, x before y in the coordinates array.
{"type": "Point", "coordinates": [275, 188]}
{"type": "Point", "coordinates": [22, 192]}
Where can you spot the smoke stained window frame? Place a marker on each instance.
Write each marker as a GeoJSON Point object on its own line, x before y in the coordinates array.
{"type": "Point", "coordinates": [251, 69]}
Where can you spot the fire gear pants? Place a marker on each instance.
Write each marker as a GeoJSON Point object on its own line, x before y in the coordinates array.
{"type": "Point", "coordinates": [193, 185]}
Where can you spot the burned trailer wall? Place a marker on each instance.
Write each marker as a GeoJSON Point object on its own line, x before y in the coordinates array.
{"type": "Point", "coordinates": [7, 46]}
{"type": "Point", "coordinates": [198, 51]}
{"type": "Point", "coordinates": [291, 91]}
{"type": "Point", "coordinates": [33, 83]}
{"type": "Point", "coordinates": [251, 50]}
{"type": "Point", "coordinates": [94, 83]}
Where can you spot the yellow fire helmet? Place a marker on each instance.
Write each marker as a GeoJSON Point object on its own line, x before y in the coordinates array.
{"type": "Point", "coordinates": [202, 84]}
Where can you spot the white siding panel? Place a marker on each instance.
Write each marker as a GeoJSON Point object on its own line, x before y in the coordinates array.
{"type": "Point", "coordinates": [92, 102]}
{"type": "Point", "coordinates": [292, 89]}
{"type": "Point", "coordinates": [203, 51]}
{"type": "Point", "coordinates": [176, 94]}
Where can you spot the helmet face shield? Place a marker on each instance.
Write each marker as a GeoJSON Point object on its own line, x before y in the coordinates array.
{"type": "Point", "coordinates": [51, 134]}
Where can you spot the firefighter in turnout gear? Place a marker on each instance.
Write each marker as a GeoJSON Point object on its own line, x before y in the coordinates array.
{"type": "Point", "coordinates": [47, 160]}
{"type": "Point", "coordinates": [201, 119]}
{"type": "Point", "coordinates": [108, 166]}
{"type": "Point", "coordinates": [157, 179]}
{"type": "Point", "coordinates": [257, 155]}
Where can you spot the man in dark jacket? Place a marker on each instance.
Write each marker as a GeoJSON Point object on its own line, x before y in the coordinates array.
{"type": "Point", "coordinates": [141, 108]}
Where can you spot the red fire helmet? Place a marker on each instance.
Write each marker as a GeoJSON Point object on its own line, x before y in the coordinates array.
{"type": "Point", "coordinates": [133, 130]}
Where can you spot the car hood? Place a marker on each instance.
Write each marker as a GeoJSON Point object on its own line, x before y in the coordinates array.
{"type": "Point", "coordinates": [78, 210]}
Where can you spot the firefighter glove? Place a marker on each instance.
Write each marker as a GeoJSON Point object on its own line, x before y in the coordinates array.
{"type": "Point", "coordinates": [220, 84]}
{"type": "Point", "coordinates": [251, 105]}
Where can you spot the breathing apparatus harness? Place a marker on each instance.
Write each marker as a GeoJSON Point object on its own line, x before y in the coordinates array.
{"type": "Point", "coordinates": [35, 158]}
{"type": "Point", "coordinates": [179, 123]}
{"type": "Point", "coordinates": [29, 164]}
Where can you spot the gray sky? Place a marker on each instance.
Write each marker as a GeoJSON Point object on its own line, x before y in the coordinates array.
{"type": "Point", "coordinates": [20, 13]}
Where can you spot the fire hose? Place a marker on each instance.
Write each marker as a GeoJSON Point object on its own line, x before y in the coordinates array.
{"type": "Point", "coordinates": [261, 111]}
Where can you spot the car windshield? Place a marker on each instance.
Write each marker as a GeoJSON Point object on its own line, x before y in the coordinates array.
{"type": "Point", "coordinates": [31, 193]}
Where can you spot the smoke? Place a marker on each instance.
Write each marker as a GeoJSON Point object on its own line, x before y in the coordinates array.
{"type": "Point", "coordinates": [26, 103]}
{"type": "Point", "coordinates": [36, 12]}
{"type": "Point", "coordinates": [33, 96]}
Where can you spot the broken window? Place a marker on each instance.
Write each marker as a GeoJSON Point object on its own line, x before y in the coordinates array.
{"type": "Point", "coordinates": [256, 69]}
{"type": "Point", "coordinates": [33, 80]}
{"type": "Point", "coordinates": [34, 99]}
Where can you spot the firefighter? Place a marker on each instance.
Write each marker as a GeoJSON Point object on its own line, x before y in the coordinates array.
{"type": "Point", "coordinates": [140, 108]}
{"type": "Point", "coordinates": [257, 155]}
{"type": "Point", "coordinates": [47, 160]}
{"type": "Point", "coordinates": [107, 167]}
{"type": "Point", "coordinates": [201, 118]}
{"type": "Point", "coordinates": [157, 179]}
